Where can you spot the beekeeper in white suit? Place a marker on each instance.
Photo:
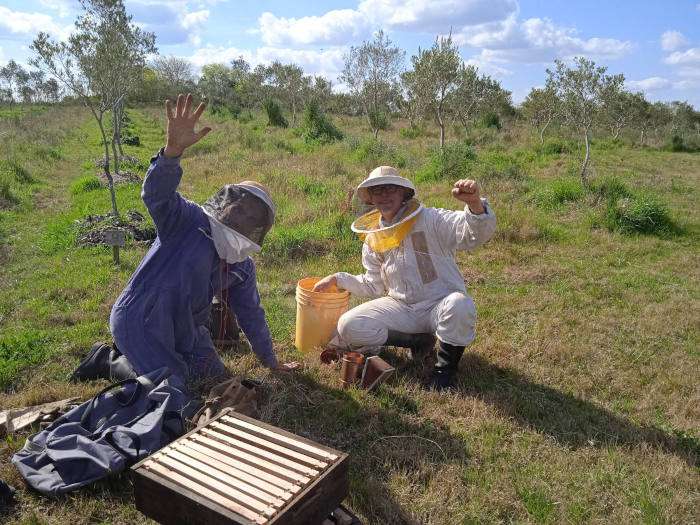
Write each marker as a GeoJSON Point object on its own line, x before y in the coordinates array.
{"type": "Point", "coordinates": [419, 288]}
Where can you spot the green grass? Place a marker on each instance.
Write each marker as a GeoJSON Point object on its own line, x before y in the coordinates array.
{"type": "Point", "coordinates": [575, 403]}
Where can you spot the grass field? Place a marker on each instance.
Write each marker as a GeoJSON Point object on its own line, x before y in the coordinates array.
{"type": "Point", "coordinates": [578, 402]}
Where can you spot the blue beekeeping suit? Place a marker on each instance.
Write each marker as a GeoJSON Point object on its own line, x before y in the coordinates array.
{"type": "Point", "coordinates": [161, 318]}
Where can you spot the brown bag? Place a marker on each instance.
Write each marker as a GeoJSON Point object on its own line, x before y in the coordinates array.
{"type": "Point", "coordinates": [236, 393]}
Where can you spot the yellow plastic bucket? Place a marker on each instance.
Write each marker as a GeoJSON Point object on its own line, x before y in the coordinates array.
{"type": "Point", "coordinates": [317, 314]}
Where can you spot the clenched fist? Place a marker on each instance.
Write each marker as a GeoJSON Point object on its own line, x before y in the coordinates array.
{"type": "Point", "coordinates": [467, 191]}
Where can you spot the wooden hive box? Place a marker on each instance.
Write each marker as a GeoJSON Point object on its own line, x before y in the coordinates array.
{"type": "Point", "coordinates": [238, 470]}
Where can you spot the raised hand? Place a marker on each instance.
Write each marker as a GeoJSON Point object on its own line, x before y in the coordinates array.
{"type": "Point", "coordinates": [181, 122]}
{"type": "Point", "coordinates": [467, 191]}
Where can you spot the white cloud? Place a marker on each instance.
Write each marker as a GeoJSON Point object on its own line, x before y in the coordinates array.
{"type": "Point", "coordinates": [195, 19]}
{"type": "Point", "coordinates": [488, 68]}
{"type": "Point", "coordinates": [672, 40]}
{"type": "Point", "coordinates": [64, 7]}
{"type": "Point", "coordinates": [649, 84]}
{"type": "Point", "coordinates": [344, 26]}
{"type": "Point", "coordinates": [22, 23]}
{"type": "Point", "coordinates": [328, 63]}
{"type": "Point", "coordinates": [436, 16]}
{"type": "Point", "coordinates": [687, 84]}
{"type": "Point", "coordinates": [536, 40]}
{"type": "Point", "coordinates": [173, 22]}
{"type": "Point", "coordinates": [689, 72]}
{"type": "Point", "coordinates": [688, 57]}
{"type": "Point", "coordinates": [335, 27]}
{"type": "Point", "coordinates": [658, 84]}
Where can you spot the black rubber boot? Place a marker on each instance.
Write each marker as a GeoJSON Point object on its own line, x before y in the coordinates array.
{"type": "Point", "coordinates": [103, 362]}
{"type": "Point", "coordinates": [418, 345]}
{"type": "Point", "coordinates": [95, 364]}
{"type": "Point", "coordinates": [448, 357]}
{"type": "Point", "coordinates": [119, 366]}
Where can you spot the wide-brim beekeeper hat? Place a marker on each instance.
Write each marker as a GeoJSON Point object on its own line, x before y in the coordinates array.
{"type": "Point", "coordinates": [380, 176]}
{"type": "Point", "coordinates": [245, 207]}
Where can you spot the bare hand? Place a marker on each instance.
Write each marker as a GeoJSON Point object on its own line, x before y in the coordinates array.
{"type": "Point", "coordinates": [181, 122]}
{"type": "Point", "coordinates": [467, 191]}
{"type": "Point", "coordinates": [286, 367]}
{"type": "Point", "coordinates": [326, 284]}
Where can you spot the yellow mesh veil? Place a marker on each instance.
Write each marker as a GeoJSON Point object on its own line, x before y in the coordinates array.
{"type": "Point", "coordinates": [381, 239]}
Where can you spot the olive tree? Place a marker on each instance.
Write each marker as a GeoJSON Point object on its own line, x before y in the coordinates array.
{"type": "Point", "coordinates": [371, 73]}
{"type": "Point", "coordinates": [435, 78]}
{"type": "Point", "coordinates": [409, 102]}
{"type": "Point", "coordinates": [175, 74]}
{"type": "Point", "coordinates": [99, 63]}
{"type": "Point", "coordinates": [289, 85]}
{"type": "Point", "coordinates": [540, 108]}
{"type": "Point", "coordinates": [10, 72]}
{"type": "Point", "coordinates": [474, 94]}
{"type": "Point", "coordinates": [580, 90]}
{"type": "Point", "coordinates": [619, 106]}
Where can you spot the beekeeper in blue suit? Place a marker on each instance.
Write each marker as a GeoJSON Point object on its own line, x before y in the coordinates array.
{"type": "Point", "coordinates": [162, 316]}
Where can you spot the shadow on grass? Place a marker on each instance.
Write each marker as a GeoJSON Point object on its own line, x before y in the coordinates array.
{"type": "Point", "coordinates": [381, 434]}
{"type": "Point", "coordinates": [571, 421]}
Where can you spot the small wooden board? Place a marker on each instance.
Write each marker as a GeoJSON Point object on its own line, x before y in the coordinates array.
{"type": "Point", "coordinates": [238, 470]}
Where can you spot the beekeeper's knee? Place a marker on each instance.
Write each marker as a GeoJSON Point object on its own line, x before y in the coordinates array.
{"type": "Point", "coordinates": [456, 319]}
{"type": "Point", "coordinates": [357, 329]}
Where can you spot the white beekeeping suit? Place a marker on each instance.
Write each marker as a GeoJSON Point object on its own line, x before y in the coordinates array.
{"type": "Point", "coordinates": [421, 289]}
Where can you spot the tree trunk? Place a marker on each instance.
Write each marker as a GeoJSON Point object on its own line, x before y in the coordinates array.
{"type": "Point", "coordinates": [585, 161]}
{"type": "Point", "coordinates": [110, 180]}
{"type": "Point", "coordinates": [120, 121]}
{"type": "Point", "coordinates": [441, 123]}
{"type": "Point", "coordinates": [376, 133]}
{"type": "Point", "coordinates": [114, 152]}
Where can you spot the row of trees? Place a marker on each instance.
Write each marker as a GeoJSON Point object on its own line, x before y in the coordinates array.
{"type": "Point", "coordinates": [235, 86]}
{"type": "Point", "coordinates": [584, 98]}
{"type": "Point", "coordinates": [100, 64]}
{"type": "Point", "coordinates": [20, 85]}
{"type": "Point", "coordinates": [104, 61]}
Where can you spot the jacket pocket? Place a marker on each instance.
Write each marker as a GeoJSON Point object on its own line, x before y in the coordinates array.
{"type": "Point", "coordinates": [424, 261]}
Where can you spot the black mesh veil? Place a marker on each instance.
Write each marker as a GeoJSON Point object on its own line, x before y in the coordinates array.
{"type": "Point", "coordinates": [243, 209]}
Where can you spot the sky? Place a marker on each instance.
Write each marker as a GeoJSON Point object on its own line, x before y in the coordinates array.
{"type": "Point", "coordinates": [654, 43]}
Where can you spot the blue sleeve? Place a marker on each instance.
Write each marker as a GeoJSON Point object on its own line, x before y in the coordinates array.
{"type": "Point", "coordinates": [244, 301]}
{"type": "Point", "coordinates": [169, 210]}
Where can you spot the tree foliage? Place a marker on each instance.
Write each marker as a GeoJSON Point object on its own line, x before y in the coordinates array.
{"type": "Point", "coordinates": [371, 73]}
{"type": "Point", "coordinates": [435, 79]}
{"type": "Point", "coordinates": [541, 107]}
{"type": "Point", "coordinates": [581, 92]}
{"type": "Point", "coordinates": [102, 60]}
{"type": "Point", "coordinates": [476, 95]}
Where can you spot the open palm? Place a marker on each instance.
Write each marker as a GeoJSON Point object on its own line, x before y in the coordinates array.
{"type": "Point", "coordinates": [181, 123]}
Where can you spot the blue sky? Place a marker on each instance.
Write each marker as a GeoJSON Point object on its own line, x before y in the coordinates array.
{"type": "Point", "coordinates": [655, 43]}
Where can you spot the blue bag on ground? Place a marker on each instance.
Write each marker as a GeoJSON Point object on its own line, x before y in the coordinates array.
{"type": "Point", "coordinates": [121, 425]}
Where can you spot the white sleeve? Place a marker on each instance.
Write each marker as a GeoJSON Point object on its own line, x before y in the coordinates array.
{"type": "Point", "coordinates": [464, 230]}
{"type": "Point", "coordinates": [368, 284]}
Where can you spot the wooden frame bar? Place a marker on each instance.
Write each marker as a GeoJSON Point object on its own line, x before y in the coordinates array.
{"type": "Point", "coordinates": [236, 470]}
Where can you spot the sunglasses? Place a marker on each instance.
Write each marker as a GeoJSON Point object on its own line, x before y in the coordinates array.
{"type": "Point", "coordinates": [389, 189]}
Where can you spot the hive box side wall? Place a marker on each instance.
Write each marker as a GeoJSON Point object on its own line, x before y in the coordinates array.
{"type": "Point", "coordinates": [169, 503]}
{"type": "Point", "coordinates": [172, 504]}
{"type": "Point", "coordinates": [315, 503]}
